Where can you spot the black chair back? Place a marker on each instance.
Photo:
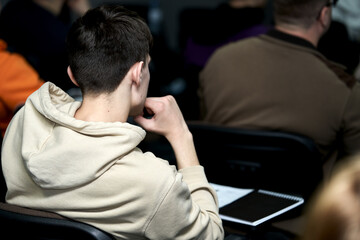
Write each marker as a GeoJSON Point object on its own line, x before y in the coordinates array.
{"type": "Point", "coordinates": [270, 160]}
{"type": "Point", "coordinates": [23, 223]}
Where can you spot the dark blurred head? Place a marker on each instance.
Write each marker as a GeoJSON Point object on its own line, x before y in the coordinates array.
{"type": "Point", "coordinates": [298, 12]}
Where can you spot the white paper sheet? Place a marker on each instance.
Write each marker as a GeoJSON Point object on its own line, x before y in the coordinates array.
{"type": "Point", "coordinates": [228, 194]}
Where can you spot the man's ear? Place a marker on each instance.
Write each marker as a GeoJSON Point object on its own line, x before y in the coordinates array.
{"type": "Point", "coordinates": [137, 72]}
{"type": "Point", "coordinates": [325, 17]}
{"type": "Point", "coordinates": [71, 76]}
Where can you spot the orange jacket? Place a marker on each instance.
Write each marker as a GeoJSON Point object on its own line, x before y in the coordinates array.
{"type": "Point", "coordinates": [17, 81]}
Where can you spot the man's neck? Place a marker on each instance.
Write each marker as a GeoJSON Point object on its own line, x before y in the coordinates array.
{"type": "Point", "coordinates": [53, 6]}
{"type": "Point", "coordinates": [247, 3]}
{"type": "Point", "coordinates": [102, 108]}
{"type": "Point", "coordinates": [307, 34]}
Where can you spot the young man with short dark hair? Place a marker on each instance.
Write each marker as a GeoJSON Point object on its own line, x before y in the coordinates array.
{"type": "Point", "coordinates": [81, 160]}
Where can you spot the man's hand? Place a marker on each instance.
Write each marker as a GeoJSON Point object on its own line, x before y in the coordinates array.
{"type": "Point", "coordinates": [168, 121]}
{"type": "Point", "coordinates": [167, 118]}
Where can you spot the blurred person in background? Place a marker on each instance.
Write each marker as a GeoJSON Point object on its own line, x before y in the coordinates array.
{"type": "Point", "coordinates": [18, 80]}
{"type": "Point", "coordinates": [280, 81]}
{"type": "Point", "coordinates": [202, 31]}
{"type": "Point", "coordinates": [334, 211]}
{"type": "Point", "coordinates": [37, 30]}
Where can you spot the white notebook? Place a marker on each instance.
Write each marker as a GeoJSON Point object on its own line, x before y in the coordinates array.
{"type": "Point", "coordinates": [253, 207]}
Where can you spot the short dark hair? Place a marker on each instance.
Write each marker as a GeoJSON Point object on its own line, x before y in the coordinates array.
{"type": "Point", "coordinates": [297, 12]}
{"type": "Point", "coordinates": [103, 44]}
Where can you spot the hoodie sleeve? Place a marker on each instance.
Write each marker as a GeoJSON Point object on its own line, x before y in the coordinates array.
{"type": "Point", "coordinates": [188, 211]}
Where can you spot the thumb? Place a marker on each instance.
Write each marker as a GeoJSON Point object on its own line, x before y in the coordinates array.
{"type": "Point", "coordinates": [144, 122]}
{"type": "Point", "coordinates": [139, 119]}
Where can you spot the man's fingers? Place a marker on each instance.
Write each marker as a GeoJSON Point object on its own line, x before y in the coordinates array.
{"type": "Point", "coordinates": [144, 122]}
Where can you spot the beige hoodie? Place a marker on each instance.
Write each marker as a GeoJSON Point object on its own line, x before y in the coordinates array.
{"type": "Point", "coordinates": [93, 172]}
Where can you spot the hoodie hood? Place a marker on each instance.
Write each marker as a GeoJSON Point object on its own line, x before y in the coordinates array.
{"type": "Point", "coordinates": [62, 152]}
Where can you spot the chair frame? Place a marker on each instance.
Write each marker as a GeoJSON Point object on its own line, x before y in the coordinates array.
{"type": "Point", "coordinates": [259, 159]}
{"type": "Point", "coordinates": [19, 222]}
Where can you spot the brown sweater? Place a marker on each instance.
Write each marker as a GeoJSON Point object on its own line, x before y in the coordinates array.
{"type": "Point", "coordinates": [280, 82]}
